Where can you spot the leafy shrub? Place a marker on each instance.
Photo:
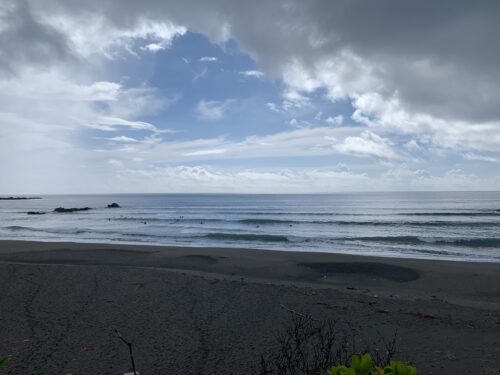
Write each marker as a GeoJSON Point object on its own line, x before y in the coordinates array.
{"type": "Point", "coordinates": [363, 365]}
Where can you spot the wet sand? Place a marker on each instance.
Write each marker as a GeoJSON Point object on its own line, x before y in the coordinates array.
{"type": "Point", "coordinates": [215, 311]}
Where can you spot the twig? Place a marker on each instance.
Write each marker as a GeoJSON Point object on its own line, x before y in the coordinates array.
{"type": "Point", "coordinates": [129, 344]}
{"type": "Point", "coordinates": [297, 313]}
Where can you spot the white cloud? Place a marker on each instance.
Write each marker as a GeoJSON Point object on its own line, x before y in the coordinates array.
{"type": "Point", "coordinates": [299, 142]}
{"type": "Point", "coordinates": [96, 35]}
{"type": "Point", "coordinates": [39, 145]}
{"type": "Point", "coordinates": [337, 120]}
{"type": "Point", "coordinates": [293, 100]}
{"type": "Point", "coordinates": [123, 138]}
{"type": "Point", "coordinates": [412, 145]}
{"type": "Point", "coordinates": [209, 179]}
{"type": "Point", "coordinates": [203, 178]}
{"type": "Point", "coordinates": [52, 85]}
{"type": "Point", "coordinates": [208, 59]}
{"type": "Point", "coordinates": [403, 176]}
{"type": "Point", "coordinates": [367, 144]}
{"type": "Point", "coordinates": [473, 156]}
{"type": "Point", "coordinates": [252, 73]}
{"type": "Point", "coordinates": [389, 116]}
{"type": "Point", "coordinates": [273, 107]}
{"type": "Point", "coordinates": [212, 110]}
{"type": "Point", "coordinates": [153, 47]}
{"type": "Point", "coordinates": [114, 123]}
{"type": "Point", "coordinates": [215, 151]}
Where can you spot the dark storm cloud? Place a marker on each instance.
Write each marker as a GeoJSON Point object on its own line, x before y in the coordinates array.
{"type": "Point", "coordinates": [455, 43]}
{"type": "Point", "coordinates": [26, 41]}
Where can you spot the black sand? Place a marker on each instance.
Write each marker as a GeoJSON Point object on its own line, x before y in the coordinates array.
{"type": "Point", "coordinates": [215, 311]}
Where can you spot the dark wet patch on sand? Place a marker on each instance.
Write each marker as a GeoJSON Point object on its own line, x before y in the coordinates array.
{"type": "Point", "coordinates": [75, 256]}
{"type": "Point", "coordinates": [375, 270]}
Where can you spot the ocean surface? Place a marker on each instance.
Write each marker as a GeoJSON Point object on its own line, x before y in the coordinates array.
{"type": "Point", "coordinates": [438, 225]}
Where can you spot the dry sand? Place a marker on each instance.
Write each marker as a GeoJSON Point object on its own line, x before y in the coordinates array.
{"type": "Point", "coordinates": [215, 311]}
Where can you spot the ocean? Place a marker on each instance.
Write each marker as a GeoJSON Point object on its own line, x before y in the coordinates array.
{"type": "Point", "coordinates": [437, 225]}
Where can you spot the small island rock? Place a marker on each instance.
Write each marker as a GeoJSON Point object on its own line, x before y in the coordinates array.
{"type": "Point", "coordinates": [66, 210]}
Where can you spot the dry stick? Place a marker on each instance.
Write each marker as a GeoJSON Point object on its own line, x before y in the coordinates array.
{"type": "Point", "coordinates": [297, 313]}
{"type": "Point", "coordinates": [129, 344]}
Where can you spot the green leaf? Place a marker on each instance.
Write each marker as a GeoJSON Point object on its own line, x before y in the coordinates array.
{"type": "Point", "coordinates": [362, 365]}
{"type": "Point", "coordinates": [399, 368]}
{"type": "Point", "coordinates": [3, 361]}
{"type": "Point", "coordinates": [341, 370]}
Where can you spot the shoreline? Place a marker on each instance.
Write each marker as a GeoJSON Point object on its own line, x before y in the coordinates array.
{"type": "Point", "coordinates": [432, 257]}
{"type": "Point", "coordinates": [216, 310]}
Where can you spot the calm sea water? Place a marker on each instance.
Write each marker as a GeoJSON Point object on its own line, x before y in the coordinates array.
{"type": "Point", "coordinates": [450, 225]}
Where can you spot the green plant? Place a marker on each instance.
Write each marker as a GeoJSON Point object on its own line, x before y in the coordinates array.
{"type": "Point", "coordinates": [3, 360]}
{"type": "Point", "coordinates": [398, 368]}
{"type": "Point", "coordinates": [363, 365]}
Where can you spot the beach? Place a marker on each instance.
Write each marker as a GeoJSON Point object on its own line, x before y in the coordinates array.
{"type": "Point", "coordinates": [216, 310]}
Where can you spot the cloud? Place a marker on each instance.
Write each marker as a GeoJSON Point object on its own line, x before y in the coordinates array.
{"type": "Point", "coordinates": [215, 151]}
{"type": "Point", "coordinates": [153, 47]}
{"type": "Point", "coordinates": [53, 137]}
{"type": "Point", "coordinates": [200, 75]}
{"type": "Point", "coordinates": [123, 138]}
{"type": "Point", "coordinates": [203, 178]}
{"type": "Point", "coordinates": [324, 44]}
{"type": "Point", "coordinates": [294, 100]}
{"type": "Point", "coordinates": [212, 110]}
{"type": "Point", "coordinates": [26, 40]}
{"type": "Point", "coordinates": [299, 142]}
{"type": "Point", "coordinates": [403, 176]}
{"type": "Point", "coordinates": [368, 144]}
{"type": "Point", "coordinates": [48, 37]}
{"type": "Point", "coordinates": [473, 156]}
{"type": "Point", "coordinates": [97, 36]}
{"type": "Point", "coordinates": [208, 59]}
{"type": "Point", "coordinates": [390, 116]}
{"type": "Point", "coordinates": [114, 123]}
{"type": "Point", "coordinates": [337, 120]}
{"type": "Point", "coordinates": [252, 73]}
{"type": "Point", "coordinates": [208, 179]}
{"type": "Point", "coordinates": [273, 107]}
{"type": "Point", "coordinates": [426, 81]}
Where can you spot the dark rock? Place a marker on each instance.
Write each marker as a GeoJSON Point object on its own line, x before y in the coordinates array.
{"type": "Point", "coordinates": [113, 205]}
{"type": "Point", "coordinates": [65, 210]}
{"type": "Point", "coordinates": [17, 198]}
{"type": "Point", "coordinates": [36, 213]}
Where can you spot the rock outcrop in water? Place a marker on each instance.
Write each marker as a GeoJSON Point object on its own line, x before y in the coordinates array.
{"type": "Point", "coordinates": [36, 213]}
{"type": "Point", "coordinates": [113, 205]}
{"type": "Point", "coordinates": [17, 198]}
{"type": "Point", "coordinates": [66, 210]}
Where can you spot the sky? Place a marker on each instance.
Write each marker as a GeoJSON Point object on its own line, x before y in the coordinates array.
{"type": "Point", "coordinates": [282, 96]}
